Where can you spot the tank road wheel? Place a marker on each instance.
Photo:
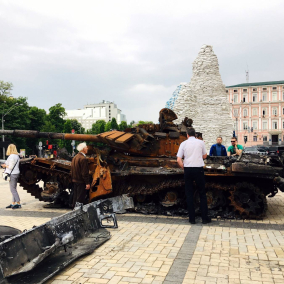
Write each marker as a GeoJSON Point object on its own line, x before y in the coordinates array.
{"type": "Point", "coordinates": [248, 201]}
{"type": "Point", "coordinates": [29, 177]}
{"type": "Point", "coordinates": [140, 198]}
{"type": "Point", "coordinates": [170, 199]}
{"type": "Point", "coordinates": [215, 194]}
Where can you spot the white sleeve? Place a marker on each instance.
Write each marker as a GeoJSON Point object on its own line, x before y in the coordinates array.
{"type": "Point", "coordinates": [180, 152]}
{"type": "Point", "coordinates": [12, 163]}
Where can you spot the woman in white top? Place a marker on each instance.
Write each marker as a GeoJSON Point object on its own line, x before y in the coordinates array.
{"type": "Point", "coordinates": [12, 167]}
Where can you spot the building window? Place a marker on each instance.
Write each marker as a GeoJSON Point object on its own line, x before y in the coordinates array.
{"type": "Point", "coordinates": [274, 96]}
{"type": "Point", "coordinates": [283, 126]}
{"type": "Point", "coordinates": [254, 111]}
{"type": "Point", "coordinates": [245, 112]}
{"type": "Point", "coordinates": [245, 90]}
{"type": "Point", "coordinates": [264, 97]}
{"type": "Point", "coordinates": [236, 112]}
{"type": "Point", "coordinates": [235, 91]}
{"type": "Point", "coordinates": [245, 139]}
{"type": "Point", "coordinates": [254, 90]}
{"type": "Point", "coordinates": [245, 98]}
{"type": "Point", "coordinates": [226, 91]}
{"type": "Point", "coordinates": [245, 125]}
{"type": "Point", "coordinates": [236, 98]}
{"type": "Point", "coordinates": [254, 125]}
{"type": "Point", "coordinates": [264, 138]}
{"type": "Point", "coordinates": [283, 110]}
{"type": "Point", "coordinates": [264, 125]}
{"type": "Point", "coordinates": [274, 111]}
{"type": "Point", "coordinates": [274, 124]}
{"type": "Point", "coordinates": [274, 88]}
{"type": "Point", "coordinates": [264, 111]}
{"type": "Point", "coordinates": [254, 138]}
{"type": "Point", "coordinates": [264, 89]}
{"type": "Point", "coordinates": [254, 97]}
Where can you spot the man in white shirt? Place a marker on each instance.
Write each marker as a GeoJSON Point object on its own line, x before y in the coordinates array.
{"type": "Point", "coordinates": [193, 153]}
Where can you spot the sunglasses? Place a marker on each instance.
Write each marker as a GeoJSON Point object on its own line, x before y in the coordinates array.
{"type": "Point", "coordinates": [233, 141]}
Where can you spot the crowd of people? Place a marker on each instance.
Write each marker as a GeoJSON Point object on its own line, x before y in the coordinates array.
{"type": "Point", "coordinates": [220, 150]}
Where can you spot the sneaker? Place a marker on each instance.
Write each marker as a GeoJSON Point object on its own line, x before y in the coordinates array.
{"type": "Point", "coordinates": [16, 206]}
{"type": "Point", "coordinates": [206, 221]}
{"type": "Point", "coordinates": [10, 206]}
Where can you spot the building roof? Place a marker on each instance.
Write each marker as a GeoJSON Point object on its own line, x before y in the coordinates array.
{"type": "Point", "coordinates": [256, 84]}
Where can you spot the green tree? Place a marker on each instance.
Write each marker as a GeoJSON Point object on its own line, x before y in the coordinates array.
{"type": "Point", "coordinates": [108, 126]}
{"type": "Point", "coordinates": [5, 88]}
{"type": "Point", "coordinates": [67, 128]}
{"type": "Point", "coordinates": [144, 122]}
{"type": "Point", "coordinates": [114, 124]}
{"type": "Point", "coordinates": [48, 127]}
{"type": "Point", "coordinates": [15, 112]}
{"type": "Point", "coordinates": [98, 127]}
{"type": "Point", "coordinates": [77, 126]}
{"type": "Point", "coordinates": [37, 118]}
{"type": "Point", "coordinates": [55, 116]}
{"type": "Point", "coordinates": [131, 124]}
{"type": "Point", "coordinates": [123, 125]}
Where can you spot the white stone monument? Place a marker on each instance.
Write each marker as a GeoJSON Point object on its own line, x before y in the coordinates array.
{"type": "Point", "coordinates": [205, 101]}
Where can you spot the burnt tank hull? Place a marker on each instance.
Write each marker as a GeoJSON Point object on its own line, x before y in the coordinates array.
{"type": "Point", "coordinates": [235, 188]}
{"type": "Point", "coordinates": [141, 162]}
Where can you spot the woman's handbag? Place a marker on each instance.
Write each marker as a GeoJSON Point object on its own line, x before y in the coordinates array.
{"type": "Point", "coordinates": [6, 176]}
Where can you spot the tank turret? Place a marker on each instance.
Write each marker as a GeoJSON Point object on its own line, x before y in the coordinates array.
{"type": "Point", "coordinates": [150, 140]}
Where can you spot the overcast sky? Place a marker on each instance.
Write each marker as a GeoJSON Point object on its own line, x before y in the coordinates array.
{"type": "Point", "coordinates": [134, 53]}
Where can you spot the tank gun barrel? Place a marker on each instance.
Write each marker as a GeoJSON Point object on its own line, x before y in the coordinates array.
{"type": "Point", "coordinates": [50, 135]}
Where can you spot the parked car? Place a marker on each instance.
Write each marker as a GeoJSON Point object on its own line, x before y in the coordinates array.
{"type": "Point", "coordinates": [263, 150]}
{"type": "Point", "coordinates": [256, 150]}
{"type": "Point", "coordinates": [251, 150]}
{"type": "Point", "coordinates": [276, 150]}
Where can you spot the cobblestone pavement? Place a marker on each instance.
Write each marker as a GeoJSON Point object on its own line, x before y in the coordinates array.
{"type": "Point", "coordinates": [152, 249]}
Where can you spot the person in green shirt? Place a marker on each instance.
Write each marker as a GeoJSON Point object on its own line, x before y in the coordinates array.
{"type": "Point", "coordinates": [235, 149]}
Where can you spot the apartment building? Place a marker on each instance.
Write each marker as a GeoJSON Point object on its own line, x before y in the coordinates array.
{"type": "Point", "coordinates": [104, 110]}
{"type": "Point", "coordinates": [258, 112]}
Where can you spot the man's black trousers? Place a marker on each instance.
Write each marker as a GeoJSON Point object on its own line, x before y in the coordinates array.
{"type": "Point", "coordinates": [79, 193]}
{"type": "Point", "coordinates": [197, 175]}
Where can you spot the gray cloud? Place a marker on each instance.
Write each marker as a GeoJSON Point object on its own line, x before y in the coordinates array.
{"type": "Point", "coordinates": [132, 52]}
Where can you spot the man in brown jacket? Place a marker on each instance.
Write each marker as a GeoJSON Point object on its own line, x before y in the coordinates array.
{"type": "Point", "coordinates": [80, 175]}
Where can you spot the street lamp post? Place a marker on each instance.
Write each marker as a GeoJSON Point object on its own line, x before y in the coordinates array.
{"type": "Point", "coordinates": [3, 116]}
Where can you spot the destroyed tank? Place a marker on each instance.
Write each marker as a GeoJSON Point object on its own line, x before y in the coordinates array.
{"type": "Point", "coordinates": [141, 162]}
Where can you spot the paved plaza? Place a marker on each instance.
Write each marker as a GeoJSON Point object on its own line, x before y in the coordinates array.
{"type": "Point", "coordinates": [158, 249]}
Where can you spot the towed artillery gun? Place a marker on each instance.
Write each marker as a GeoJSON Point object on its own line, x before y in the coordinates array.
{"type": "Point", "coordinates": [141, 162]}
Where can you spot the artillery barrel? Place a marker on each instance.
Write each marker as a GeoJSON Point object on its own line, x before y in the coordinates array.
{"type": "Point", "coordinates": [50, 135]}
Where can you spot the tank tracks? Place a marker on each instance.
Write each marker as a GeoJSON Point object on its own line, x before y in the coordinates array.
{"type": "Point", "coordinates": [241, 200]}
{"type": "Point", "coordinates": [32, 174]}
